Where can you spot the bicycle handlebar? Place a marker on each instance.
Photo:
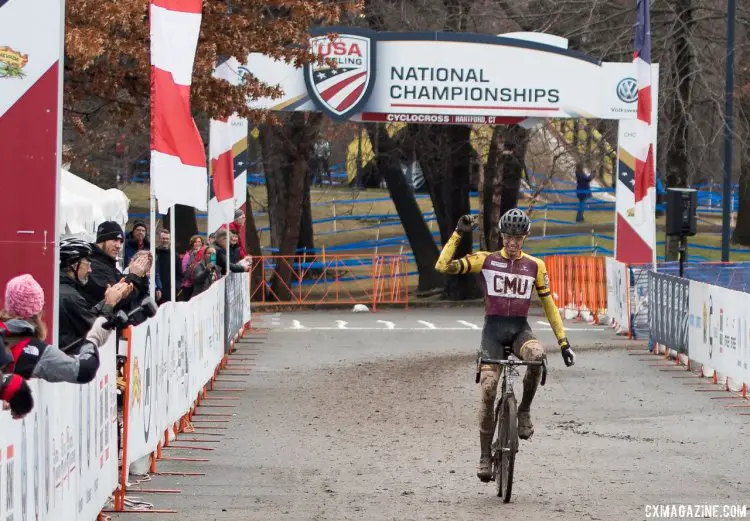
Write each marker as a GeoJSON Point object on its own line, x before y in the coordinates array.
{"type": "Point", "coordinates": [511, 362]}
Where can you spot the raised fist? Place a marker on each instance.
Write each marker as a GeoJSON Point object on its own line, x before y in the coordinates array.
{"type": "Point", "coordinates": [467, 223]}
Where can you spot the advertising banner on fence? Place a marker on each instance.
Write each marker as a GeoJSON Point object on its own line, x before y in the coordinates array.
{"type": "Point", "coordinates": [172, 356]}
{"type": "Point", "coordinates": [237, 305]}
{"type": "Point", "coordinates": [617, 293]}
{"type": "Point", "coordinates": [60, 461]}
{"type": "Point", "coordinates": [719, 331]}
{"type": "Point", "coordinates": [446, 78]}
{"type": "Point", "coordinates": [669, 308]}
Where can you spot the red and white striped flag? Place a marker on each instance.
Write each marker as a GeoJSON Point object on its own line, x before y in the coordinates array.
{"type": "Point", "coordinates": [178, 158]}
{"type": "Point", "coordinates": [228, 138]}
{"type": "Point", "coordinates": [644, 152]}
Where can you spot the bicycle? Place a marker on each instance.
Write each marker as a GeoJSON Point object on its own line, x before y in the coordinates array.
{"type": "Point", "coordinates": [505, 446]}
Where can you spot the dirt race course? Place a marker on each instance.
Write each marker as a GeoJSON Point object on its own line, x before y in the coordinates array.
{"type": "Point", "coordinates": [375, 419]}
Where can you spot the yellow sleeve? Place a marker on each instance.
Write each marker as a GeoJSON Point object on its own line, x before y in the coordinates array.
{"type": "Point", "coordinates": [548, 303]}
{"type": "Point", "coordinates": [471, 263]}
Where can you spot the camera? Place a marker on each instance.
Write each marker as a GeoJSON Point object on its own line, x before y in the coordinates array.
{"type": "Point", "coordinates": [139, 315]}
{"type": "Point", "coordinates": [119, 320]}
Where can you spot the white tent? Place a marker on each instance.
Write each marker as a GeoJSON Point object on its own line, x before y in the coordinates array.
{"type": "Point", "coordinates": [83, 206]}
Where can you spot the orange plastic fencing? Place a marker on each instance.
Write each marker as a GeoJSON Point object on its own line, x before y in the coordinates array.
{"type": "Point", "coordinates": [578, 283]}
{"type": "Point", "coordinates": [296, 280]}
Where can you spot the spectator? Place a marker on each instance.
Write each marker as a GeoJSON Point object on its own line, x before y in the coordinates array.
{"type": "Point", "coordinates": [24, 331]}
{"type": "Point", "coordinates": [195, 244]}
{"type": "Point", "coordinates": [164, 268]}
{"type": "Point", "coordinates": [221, 256]}
{"type": "Point", "coordinates": [205, 272]}
{"type": "Point", "coordinates": [104, 271]}
{"type": "Point", "coordinates": [238, 227]}
{"type": "Point", "coordinates": [76, 315]}
{"type": "Point", "coordinates": [211, 239]}
{"type": "Point", "coordinates": [234, 248]}
{"type": "Point", "coordinates": [136, 241]}
{"type": "Point", "coordinates": [583, 190]}
{"type": "Point", "coordinates": [188, 263]}
{"type": "Point", "coordinates": [16, 395]}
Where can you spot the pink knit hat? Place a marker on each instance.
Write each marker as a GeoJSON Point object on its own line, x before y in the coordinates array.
{"type": "Point", "coordinates": [24, 297]}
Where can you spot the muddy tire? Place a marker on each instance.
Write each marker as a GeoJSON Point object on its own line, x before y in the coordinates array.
{"type": "Point", "coordinates": [507, 448]}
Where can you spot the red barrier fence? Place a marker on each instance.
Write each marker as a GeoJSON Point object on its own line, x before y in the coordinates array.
{"type": "Point", "coordinates": [297, 280]}
{"type": "Point", "coordinates": [578, 282]}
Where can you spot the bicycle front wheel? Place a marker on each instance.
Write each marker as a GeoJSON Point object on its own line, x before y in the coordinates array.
{"type": "Point", "coordinates": [508, 446]}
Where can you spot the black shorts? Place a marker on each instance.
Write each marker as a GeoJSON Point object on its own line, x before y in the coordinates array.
{"type": "Point", "coordinates": [500, 332]}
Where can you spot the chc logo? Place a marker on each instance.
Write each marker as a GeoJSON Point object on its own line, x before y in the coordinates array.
{"type": "Point", "coordinates": [627, 90]}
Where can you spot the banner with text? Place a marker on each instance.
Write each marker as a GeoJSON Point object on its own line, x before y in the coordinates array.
{"type": "Point", "coordinates": [60, 461]}
{"type": "Point", "coordinates": [719, 331]}
{"type": "Point", "coordinates": [172, 356]}
{"type": "Point", "coordinates": [439, 77]}
{"type": "Point", "coordinates": [237, 305]}
{"type": "Point", "coordinates": [669, 308]}
{"type": "Point", "coordinates": [617, 294]}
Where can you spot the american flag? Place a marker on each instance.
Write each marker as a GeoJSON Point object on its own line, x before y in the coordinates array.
{"type": "Point", "coordinates": [644, 165]}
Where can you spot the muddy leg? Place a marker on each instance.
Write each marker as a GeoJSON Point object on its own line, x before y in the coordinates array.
{"type": "Point", "coordinates": [531, 351]}
{"type": "Point", "coordinates": [489, 377]}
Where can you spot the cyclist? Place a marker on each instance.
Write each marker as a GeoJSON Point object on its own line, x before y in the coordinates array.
{"type": "Point", "coordinates": [508, 277]}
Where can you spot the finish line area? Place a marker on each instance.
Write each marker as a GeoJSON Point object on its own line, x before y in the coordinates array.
{"type": "Point", "coordinates": [332, 425]}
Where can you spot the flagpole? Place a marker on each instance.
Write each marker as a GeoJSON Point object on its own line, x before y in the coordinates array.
{"type": "Point", "coordinates": [728, 131]}
{"type": "Point", "coordinates": [152, 235]}
{"type": "Point", "coordinates": [172, 257]}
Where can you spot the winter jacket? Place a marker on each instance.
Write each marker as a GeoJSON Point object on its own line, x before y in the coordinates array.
{"type": "Point", "coordinates": [583, 184]}
{"type": "Point", "coordinates": [235, 253]}
{"type": "Point", "coordinates": [33, 358]}
{"type": "Point", "coordinates": [76, 314]}
{"type": "Point", "coordinates": [104, 272]}
{"type": "Point", "coordinates": [163, 270]}
{"type": "Point", "coordinates": [131, 247]}
{"type": "Point", "coordinates": [221, 263]}
{"type": "Point", "coordinates": [203, 277]}
{"type": "Point", "coordinates": [240, 231]}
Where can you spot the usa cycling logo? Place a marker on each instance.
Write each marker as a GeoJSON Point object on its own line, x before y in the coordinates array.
{"type": "Point", "coordinates": [627, 90]}
{"type": "Point", "coordinates": [341, 91]}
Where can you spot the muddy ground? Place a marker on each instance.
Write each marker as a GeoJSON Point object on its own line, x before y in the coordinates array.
{"type": "Point", "coordinates": [378, 423]}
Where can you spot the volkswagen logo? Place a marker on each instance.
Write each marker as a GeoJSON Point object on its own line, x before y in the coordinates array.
{"type": "Point", "coordinates": [627, 90]}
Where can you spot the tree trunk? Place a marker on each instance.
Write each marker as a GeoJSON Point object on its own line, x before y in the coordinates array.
{"type": "Point", "coordinates": [741, 233]}
{"type": "Point", "coordinates": [306, 232]}
{"type": "Point", "coordinates": [678, 109]}
{"type": "Point", "coordinates": [457, 204]}
{"type": "Point", "coordinates": [420, 239]}
{"type": "Point", "coordinates": [481, 190]}
{"type": "Point", "coordinates": [493, 191]}
{"type": "Point", "coordinates": [300, 133]}
{"type": "Point", "coordinates": [512, 160]}
{"type": "Point", "coordinates": [272, 148]}
{"type": "Point", "coordinates": [252, 243]}
{"type": "Point", "coordinates": [432, 148]}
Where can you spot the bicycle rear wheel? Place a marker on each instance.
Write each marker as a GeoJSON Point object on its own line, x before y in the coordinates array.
{"type": "Point", "coordinates": [508, 446]}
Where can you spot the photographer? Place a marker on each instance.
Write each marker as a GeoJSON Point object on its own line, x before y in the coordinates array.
{"type": "Point", "coordinates": [24, 332]}
{"type": "Point", "coordinates": [76, 315]}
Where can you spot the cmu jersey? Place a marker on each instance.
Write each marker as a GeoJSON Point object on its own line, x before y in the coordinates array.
{"type": "Point", "coordinates": [508, 284]}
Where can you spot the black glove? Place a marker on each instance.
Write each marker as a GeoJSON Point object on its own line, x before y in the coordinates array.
{"type": "Point", "coordinates": [567, 353]}
{"type": "Point", "coordinates": [466, 223]}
